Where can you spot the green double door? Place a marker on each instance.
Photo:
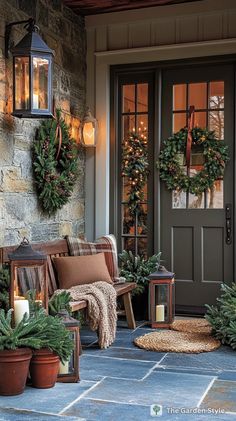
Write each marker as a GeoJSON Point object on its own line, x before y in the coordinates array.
{"type": "Point", "coordinates": [194, 241]}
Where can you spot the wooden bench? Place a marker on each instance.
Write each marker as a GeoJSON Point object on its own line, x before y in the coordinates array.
{"type": "Point", "coordinates": [58, 248]}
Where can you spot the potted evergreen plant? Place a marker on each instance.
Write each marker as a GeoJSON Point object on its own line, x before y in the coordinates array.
{"type": "Point", "coordinates": [137, 269]}
{"type": "Point", "coordinates": [49, 339]}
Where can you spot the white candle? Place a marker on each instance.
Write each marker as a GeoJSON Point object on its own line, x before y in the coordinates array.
{"type": "Point", "coordinates": [64, 368]}
{"type": "Point", "coordinates": [160, 313]}
{"type": "Point", "coordinates": [35, 101]}
{"type": "Point", "coordinates": [20, 308]}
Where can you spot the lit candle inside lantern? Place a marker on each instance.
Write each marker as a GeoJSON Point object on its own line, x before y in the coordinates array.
{"type": "Point", "coordinates": [35, 101]}
{"type": "Point", "coordinates": [21, 307]}
{"type": "Point", "coordinates": [160, 313]}
{"type": "Point", "coordinates": [64, 368]}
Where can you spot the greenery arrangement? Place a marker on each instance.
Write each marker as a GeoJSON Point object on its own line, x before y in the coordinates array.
{"type": "Point", "coordinates": [137, 268]}
{"type": "Point", "coordinates": [39, 331]}
{"type": "Point", "coordinates": [135, 168]}
{"type": "Point", "coordinates": [215, 153]}
{"type": "Point", "coordinates": [59, 302]}
{"type": "Point", "coordinates": [222, 317]}
{"type": "Point", "coordinates": [4, 287]}
{"type": "Point", "coordinates": [55, 163]}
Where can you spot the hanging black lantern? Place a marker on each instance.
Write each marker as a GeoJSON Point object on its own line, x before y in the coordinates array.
{"type": "Point", "coordinates": [32, 73]}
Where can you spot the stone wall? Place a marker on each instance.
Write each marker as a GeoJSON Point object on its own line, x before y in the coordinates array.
{"type": "Point", "coordinates": [20, 214]}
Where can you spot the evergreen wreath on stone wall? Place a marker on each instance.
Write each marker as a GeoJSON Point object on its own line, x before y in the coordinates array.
{"type": "Point", "coordinates": [55, 163]}
{"type": "Point", "coordinates": [135, 168]}
{"type": "Point", "coordinates": [215, 153]}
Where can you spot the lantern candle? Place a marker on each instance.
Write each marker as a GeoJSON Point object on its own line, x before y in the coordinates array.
{"type": "Point", "coordinates": [64, 367]}
{"type": "Point", "coordinates": [20, 308]}
{"type": "Point", "coordinates": [160, 313]}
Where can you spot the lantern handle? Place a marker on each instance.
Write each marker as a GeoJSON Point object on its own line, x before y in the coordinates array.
{"type": "Point", "coordinates": [29, 25]}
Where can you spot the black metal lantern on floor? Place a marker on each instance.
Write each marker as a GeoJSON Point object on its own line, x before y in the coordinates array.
{"type": "Point", "coordinates": [69, 371]}
{"type": "Point", "coordinates": [28, 273]}
{"type": "Point", "coordinates": [32, 73]}
{"type": "Point", "coordinates": [161, 298]}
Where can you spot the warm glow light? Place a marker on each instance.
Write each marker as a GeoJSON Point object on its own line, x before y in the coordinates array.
{"type": "Point", "coordinates": [89, 134]}
{"type": "Point", "coordinates": [88, 130]}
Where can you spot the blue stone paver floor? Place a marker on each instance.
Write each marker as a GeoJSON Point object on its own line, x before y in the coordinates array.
{"type": "Point", "coordinates": [123, 382]}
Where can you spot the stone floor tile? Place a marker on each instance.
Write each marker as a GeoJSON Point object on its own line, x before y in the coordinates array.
{"type": "Point", "coordinates": [94, 368]}
{"type": "Point", "coordinates": [95, 410]}
{"type": "Point", "coordinates": [130, 354]}
{"type": "Point", "coordinates": [170, 389]}
{"type": "Point", "coordinates": [51, 400]}
{"type": "Point", "coordinates": [99, 410]}
{"type": "Point", "coordinates": [18, 415]}
{"type": "Point", "coordinates": [222, 359]}
{"type": "Point", "coordinates": [221, 395]}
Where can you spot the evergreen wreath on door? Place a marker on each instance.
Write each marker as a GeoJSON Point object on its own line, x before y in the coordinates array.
{"type": "Point", "coordinates": [55, 163]}
{"type": "Point", "coordinates": [215, 153]}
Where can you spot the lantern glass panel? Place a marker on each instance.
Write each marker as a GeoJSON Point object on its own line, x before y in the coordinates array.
{"type": "Point", "coordinates": [89, 133]}
{"type": "Point", "coordinates": [161, 303]}
{"type": "Point", "coordinates": [40, 83]}
{"type": "Point", "coordinates": [21, 83]}
{"type": "Point", "coordinates": [28, 279]}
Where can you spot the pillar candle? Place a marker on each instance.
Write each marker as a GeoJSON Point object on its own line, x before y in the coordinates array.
{"type": "Point", "coordinates": [20, 308]}
{"type": "Point", "coordinates": [160, 313]}
{"type": "Point", "coordinates": [64, 368]}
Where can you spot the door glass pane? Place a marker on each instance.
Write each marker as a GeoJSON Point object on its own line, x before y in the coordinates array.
{"type": "Point", "coordinates": [179, 97]}
{"type": "Point", "coordinates": [142, 221]}
{"type": "Point", "coordinates": [179, 121]}
{"type": "Point", "coordinates": [128, 98]}
{"type": "Point", "coordinates": [142, 125]}
{"type": "Point", "coordinates": [128, 221]}
{"type": "Point", "coordinates": [125, 188]}
{"type": "Point", "coordinates": [197, 95]}
{"type": "Point", "coordinates": [142, 93]}
{"type": "Point", "coordinates": [128, 125]}
{"type": "Point", "coordinates": [179, 199]}
{"type": "Point", "coordinates": [142, 247]}
{"type": "Point", "coordinates": [129, 244]}
{"type": "Point", "coordinates": [196, 202]}
{"type": "Point", "coordinates": [215, 197]}
{"type": "Point", "coordinates": [216, 123]}
{"type": "Point", "coordinates": [216, 94]}
{"type": "Point", "coordinates": [200, 119]}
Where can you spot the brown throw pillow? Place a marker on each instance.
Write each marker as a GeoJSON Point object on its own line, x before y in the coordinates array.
{"type": "Point", "coordinates": [79, 270]}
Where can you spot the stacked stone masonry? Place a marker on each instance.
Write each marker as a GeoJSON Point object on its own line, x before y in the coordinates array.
{"type": "Point", "coordinates": [20, 213]}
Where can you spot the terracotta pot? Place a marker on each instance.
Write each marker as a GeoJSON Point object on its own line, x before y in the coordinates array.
{"type": "Point", "coordinates": [14, 367]}
{"type": "Point", "coordinates": [44, 368]}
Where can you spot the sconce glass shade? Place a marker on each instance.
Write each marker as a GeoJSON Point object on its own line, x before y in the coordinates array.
{"type": "Point", "coordinates": [32, 76]}
{"type": "Point", "coordinates": [89, 128]}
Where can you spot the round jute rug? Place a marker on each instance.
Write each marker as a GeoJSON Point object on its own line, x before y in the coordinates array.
{"type": "Point", "coordinates": [192, 326]}
{"type": "Point", "coordinates": [173, 341]}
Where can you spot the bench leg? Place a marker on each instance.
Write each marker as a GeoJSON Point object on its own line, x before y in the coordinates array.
{"type": "Point", "coordinates": [129, 311]}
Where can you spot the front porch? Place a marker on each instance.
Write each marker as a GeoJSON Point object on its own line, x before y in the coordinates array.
{"type": "Point", "coordinates": [122, 382]}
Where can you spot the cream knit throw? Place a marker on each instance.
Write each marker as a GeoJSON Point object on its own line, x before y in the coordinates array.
{"type": "Point", "coordinates": [101, 310]}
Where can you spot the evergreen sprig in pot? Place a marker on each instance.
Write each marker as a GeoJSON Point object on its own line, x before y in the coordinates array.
{"type": "Point", "coordinates": [38, 332]}
{"type": "Point", "coordinates": [57, 346]}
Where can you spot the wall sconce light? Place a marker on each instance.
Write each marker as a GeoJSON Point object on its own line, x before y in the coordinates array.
{"type": "Point", "coordinates": [32, 72]}
{"type": "Point", "coordinates": [88, 130]}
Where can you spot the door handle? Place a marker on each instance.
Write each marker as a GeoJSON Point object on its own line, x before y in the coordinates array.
{"type": "Point", "coordinates": [228, 223]}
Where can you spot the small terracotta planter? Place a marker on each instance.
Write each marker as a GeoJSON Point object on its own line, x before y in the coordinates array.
{"type": "Point", "coordinates": [44, 368]}
{"type": "Point", "coordinates": [14, 367]}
